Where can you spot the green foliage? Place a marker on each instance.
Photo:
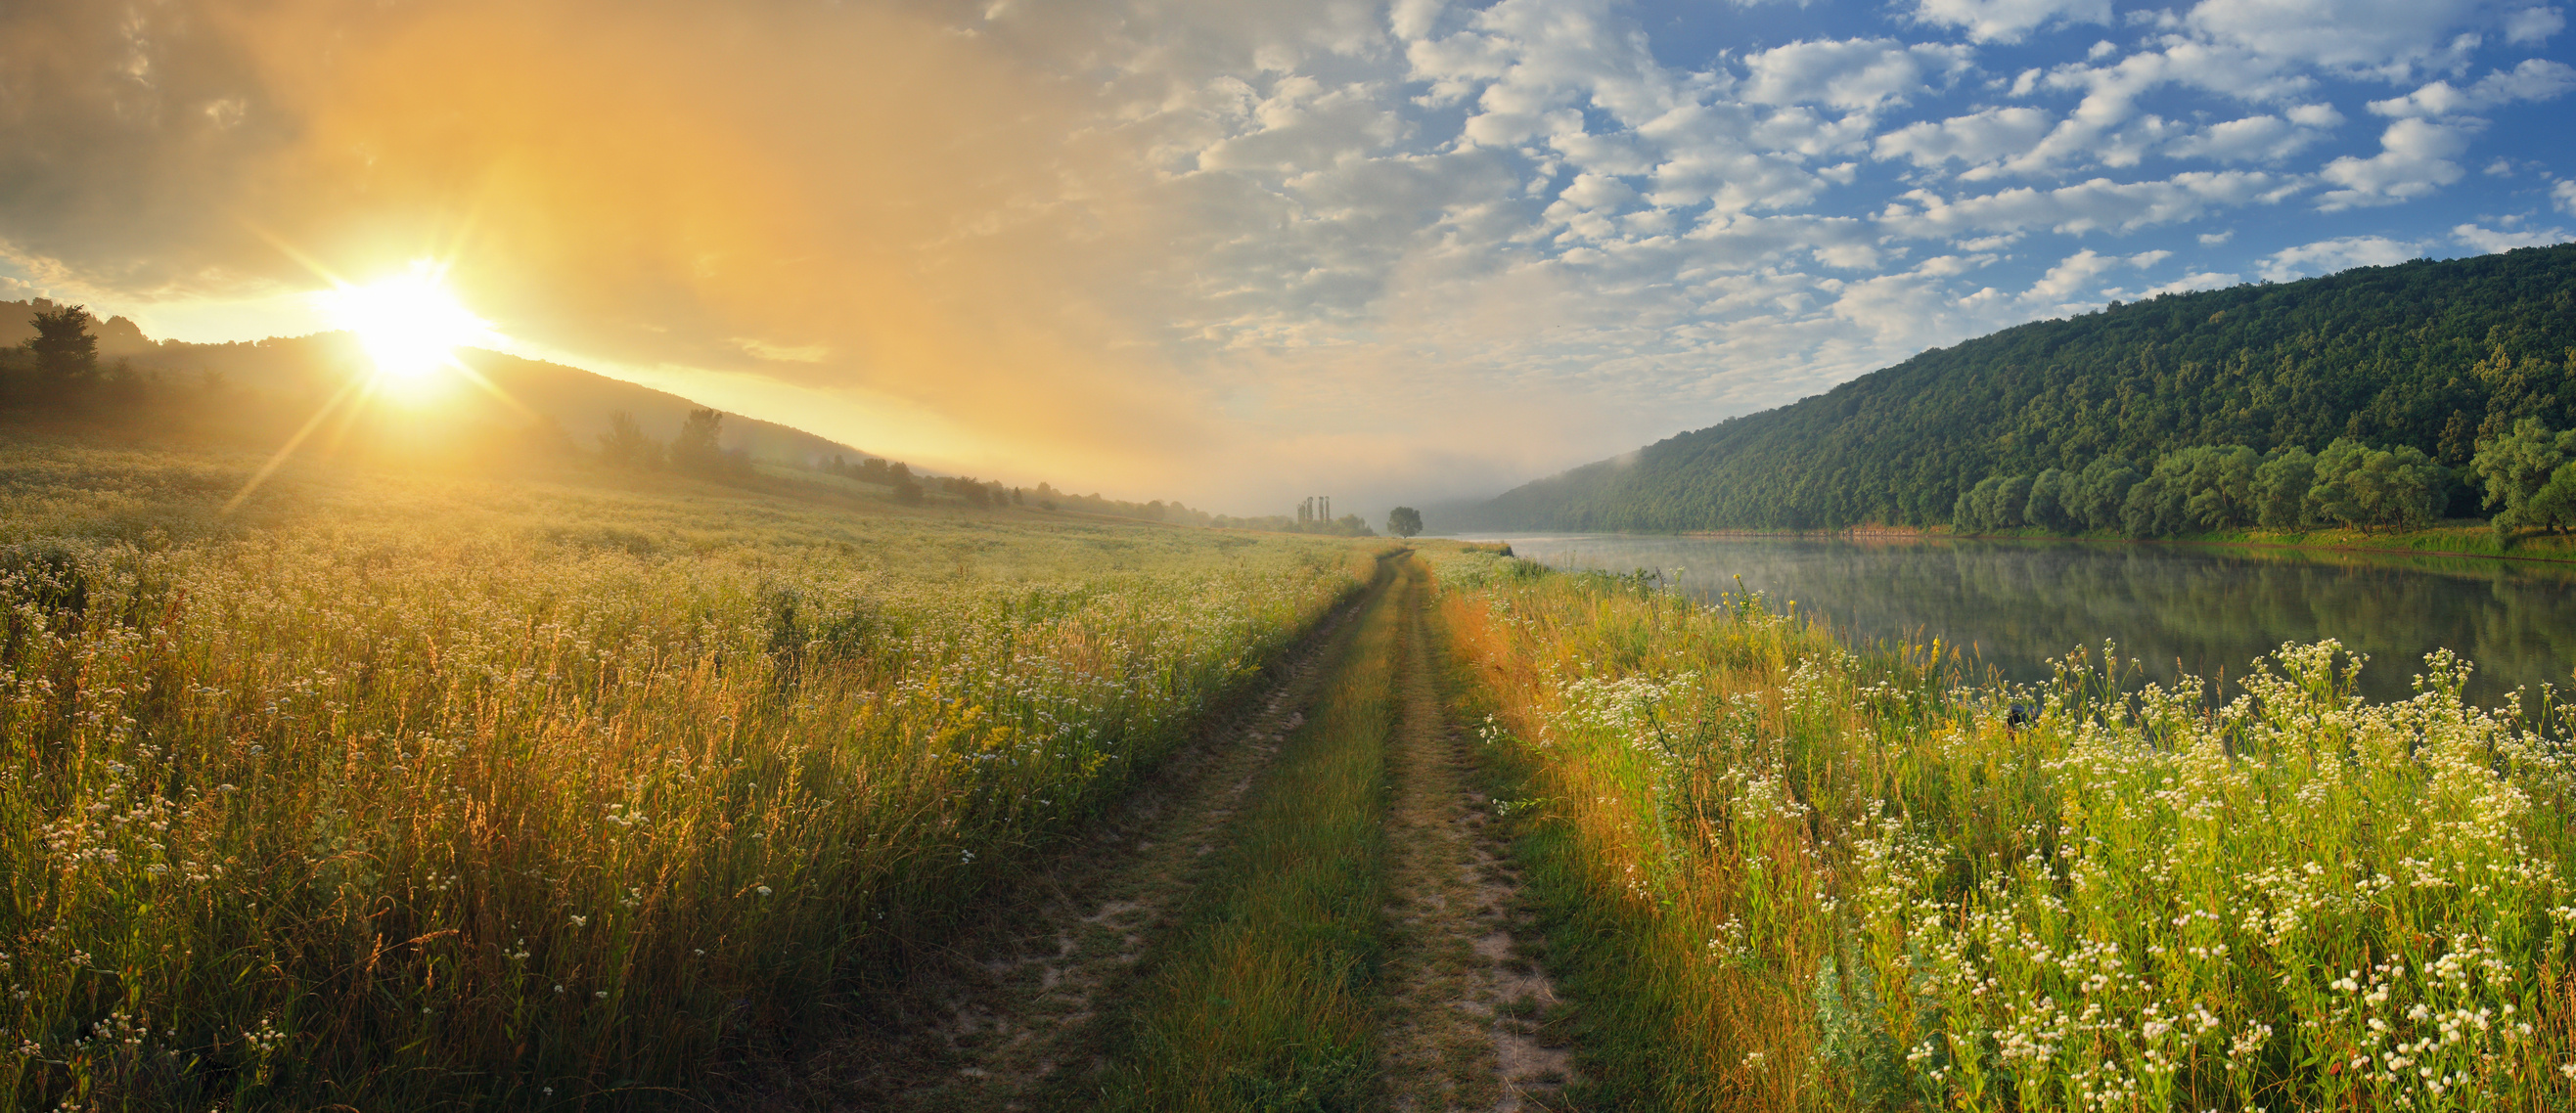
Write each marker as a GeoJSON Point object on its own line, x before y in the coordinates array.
{"type": "Point", "coordinates": [2516, 466]}
{"type": "Point", "coordinates": [2101, 489]}
{"type": "Point", "coordinates": [2390, 355]}
{"type": "Point", "coordinates": [2369, 488]}
{"type": "Point", "coordinates": [1404, 521]}
{"type": "Point", "coordinates": [2280, 488]}
{"type": "Point", "coordinates": [2051, 502]}
{"type": "Point", "coordinates": [2553, 506]}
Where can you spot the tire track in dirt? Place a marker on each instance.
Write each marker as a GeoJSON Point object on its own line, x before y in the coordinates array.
{"type": "Point", "coordinates": [1021, 995]}
{"type": "Point", "coordinates": [1470, 1015]}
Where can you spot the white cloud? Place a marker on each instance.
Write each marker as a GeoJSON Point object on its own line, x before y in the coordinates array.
{"type": "Point", "coordinates": [2197, 280]}
{"type": "Point", "coordinates": [2534, 25]}
{"type": "Point", "coordinates": [2265, 138]}
{"type": "Point", "coordinates": [2535, 79]}
{"type": "Point", "coordinates": [2389, 37]}
{"type": "Point", "coordinates": [2563, 194]}
{"type": "Point", "coordinates": [2097, 205]}
{"type": "Point", "coordinates": [2329, 256]}
{"type": "Point", "coordinates": [1976, 139]}
{"type": "Point", "coordinates": [2414, 160]}
{"type": "Point", "coordinates": [2009, 20]}
{"type": "Point", "coordinates": [1859, 74]}
{"type": "Point", "coordinates": [2070, 284]}
{"type": "Point", "coordinates": [2492, 240]}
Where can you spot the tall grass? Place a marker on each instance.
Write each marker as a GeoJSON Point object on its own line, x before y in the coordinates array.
{"type": "Point", "coordinates": [1264, 999]}
{"type": "Point", "coordinates": [448, 794]}
{"type": "Point", "coordinates": [1790, 877]}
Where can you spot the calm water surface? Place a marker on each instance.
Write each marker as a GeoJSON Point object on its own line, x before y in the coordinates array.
{"type": "Point", "coordinates": [2180, 610]}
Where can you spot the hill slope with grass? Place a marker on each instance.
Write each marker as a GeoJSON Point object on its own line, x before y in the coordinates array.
{"type": "Point", "coordinates": [2433, 355]}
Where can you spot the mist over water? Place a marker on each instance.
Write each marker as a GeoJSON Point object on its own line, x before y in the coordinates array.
{"type": "Point", "coordinates": [2178, 610]}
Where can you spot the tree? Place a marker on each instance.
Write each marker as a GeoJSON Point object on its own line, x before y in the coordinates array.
{"type": "Point", "coordinates": [1404, 521]}
{"type": "Point", "coordinates": [1994, 503]}
{"type": "Point", "coordinates": [65, 351]}
{"type": "Point", "coordinates": [2515, 466]}
{"type": "Point", "coordinates": [2281, 488]}
{"type": "Point", "coordinates": [2366, 488]}
{"type": "Point", "coordinates": [624, 445]}
{"type": "Point", "coordinates": [2553, 506]}
{"type": "Point", "coordinates": [2217, 485]}
{"type": "Point", "coordinates": [697, 449]}
{"type": "Point", "coordinates": [2050, 494]}
{"type": "Point", "coordinates": [2100, 491]}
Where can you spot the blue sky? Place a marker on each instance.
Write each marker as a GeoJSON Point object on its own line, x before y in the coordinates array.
{"type": "Point", "coordinates": [1241, 251]}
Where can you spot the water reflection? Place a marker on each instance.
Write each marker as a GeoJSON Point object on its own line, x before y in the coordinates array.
{"type": "Point", "coordinates": [2181, 610]}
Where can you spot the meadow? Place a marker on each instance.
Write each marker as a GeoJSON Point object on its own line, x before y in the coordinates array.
{"type": "Point", "coordinates": [552, 792]}
{"type": "Point", "coordinates": [1781, 875]}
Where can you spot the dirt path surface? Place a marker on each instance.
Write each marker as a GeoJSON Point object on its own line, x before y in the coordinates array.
{"type": "Point", "coordinates": [986, 1027]}
{"type": "Point", "coordinates": [1469, 1011]}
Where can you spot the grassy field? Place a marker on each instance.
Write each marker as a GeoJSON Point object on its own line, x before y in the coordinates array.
{"type": "Point", "coordinates": [1783, 877]}
{"type": "Point", "coordinates": [552, 792]}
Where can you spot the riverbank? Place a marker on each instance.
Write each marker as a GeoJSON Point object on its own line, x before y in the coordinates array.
{"type": "Point", "coordinates": [2463, 537]}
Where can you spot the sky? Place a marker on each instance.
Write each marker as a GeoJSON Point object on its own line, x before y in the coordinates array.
{"type": "Point", "coordinates": [1237, 252]}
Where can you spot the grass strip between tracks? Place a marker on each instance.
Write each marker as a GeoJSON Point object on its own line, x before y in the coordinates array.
{"type": "Point", "coordinates": [1264, 997]}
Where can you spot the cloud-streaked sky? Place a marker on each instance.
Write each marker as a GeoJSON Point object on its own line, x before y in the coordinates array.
{"type": "Point", "coordinates": [1237, 251]}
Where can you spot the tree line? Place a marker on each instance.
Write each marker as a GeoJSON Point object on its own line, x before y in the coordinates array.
{"type": "Point", "coordinates": [2433, 356]}
{"type": "Point", "coordinates": [2528, 475]}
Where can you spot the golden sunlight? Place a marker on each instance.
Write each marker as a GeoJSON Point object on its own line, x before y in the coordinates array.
{"type": "Point", "coordinates": [410, 323]}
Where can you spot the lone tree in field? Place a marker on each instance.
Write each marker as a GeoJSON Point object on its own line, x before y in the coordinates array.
{"type": "Point", "coordinates": [624, 445]}
{"type": "Point", "coordinates": [696, 450]}
{"type": "Point", "coordinates": [1404, 521]}
{"type": "Point", "coordinates": [65, 351]}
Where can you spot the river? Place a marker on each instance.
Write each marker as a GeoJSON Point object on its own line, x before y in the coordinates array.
{"type": "Point", "coordinates": [2178, 610]}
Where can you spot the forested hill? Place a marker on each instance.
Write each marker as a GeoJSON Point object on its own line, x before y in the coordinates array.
{"type": "Point", "coordinates": [2429, 354]}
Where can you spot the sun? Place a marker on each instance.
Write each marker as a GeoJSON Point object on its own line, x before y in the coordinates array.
{"type": "Point", "coordinates": [409, 323]}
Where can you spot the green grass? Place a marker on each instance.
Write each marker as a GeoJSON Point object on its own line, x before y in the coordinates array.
{"type": "Point", "coordinates": [454, 792]}
{"type": "Point", "coordinates": [1782, 876]}
{"type": "Point", "coordinates": [1264, 999]}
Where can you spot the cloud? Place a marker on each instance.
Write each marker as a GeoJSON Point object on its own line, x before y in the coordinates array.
{"type": "Point", "coordinates": [2414, 160]}
{"type": "Point", "coordinates": [2070, 284]}
{"type": "Point", "coordinates": [2562, 193]}
{"type": "Point", "coordinates": [2009, 20]}
{"type": "Point", "coordinates": [2265, 138]}
{"type": "Point", "coordinates": [2488, 241]}
{"type": "Point", "coordinates": [2329, 256]}
{"type": "Point", "coordinates": [2534, 25]}
{"type": "Point", "coordinates": [2385, 37]}
{"type": "Point", "coordinates": [2535, 79]}
{"type": "Point", "coordinates": [2096, 205]}
{"type": "Point", "coordinates": [1977, 139]}
{"type": "Point", "coordinates": [1858, 74]}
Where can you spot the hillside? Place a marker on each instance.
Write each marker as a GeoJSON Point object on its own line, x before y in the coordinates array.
{"type": "Point", "coordinates": [2433, 355]}
{"type": "Point", "coordinates": [580, 400]}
